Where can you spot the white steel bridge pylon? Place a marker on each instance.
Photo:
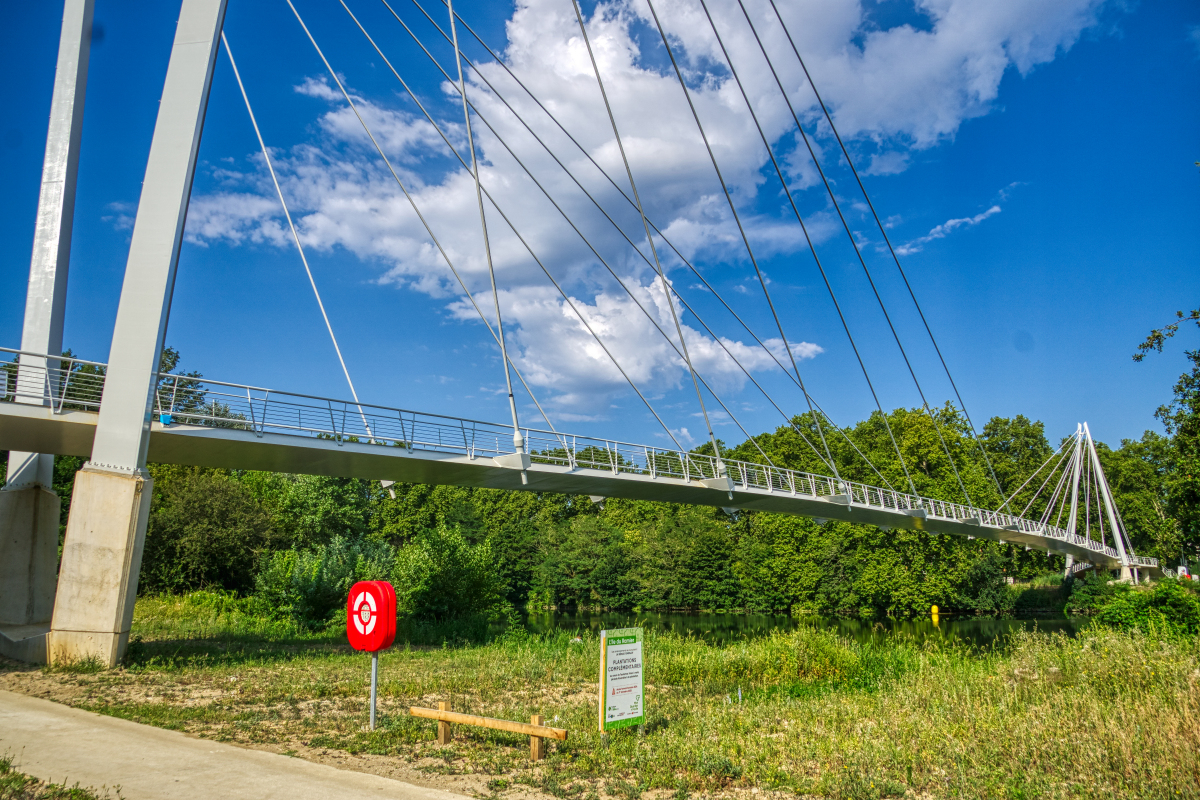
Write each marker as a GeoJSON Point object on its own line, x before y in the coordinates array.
{"type": "Point", "coordinates": [1081, 499]}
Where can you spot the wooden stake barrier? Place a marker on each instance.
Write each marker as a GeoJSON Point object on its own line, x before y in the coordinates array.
{"type": "Point", "coordinates": [537, 732]}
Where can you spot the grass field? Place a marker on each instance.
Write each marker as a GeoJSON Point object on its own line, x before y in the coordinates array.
{"type": "Point", "coordinates": [1106, 714]}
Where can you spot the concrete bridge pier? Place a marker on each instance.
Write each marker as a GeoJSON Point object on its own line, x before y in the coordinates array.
{"type": "Point", "coordinates": [110, 506]}
{"type": "Point", "coordinates": [102, 555]}
{"type": "Point", "coordinates": [29, 516]}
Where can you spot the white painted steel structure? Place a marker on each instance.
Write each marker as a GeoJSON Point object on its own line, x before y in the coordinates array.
{"type": "Point", "coordinates": [46, 298]}
{"type": "Point", "coordinates": [137, 344]}
{"type": "Point", "coordinates": [247, 427]}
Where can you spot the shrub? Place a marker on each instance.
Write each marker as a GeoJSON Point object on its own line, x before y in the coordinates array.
{"type": "Point", "coordinates": [205, 530]}
{"type": "Point", "coordinates": [1166, 605]}
{"type": "Point", "coordinates": [311, 585]}
{"type": "Point", "coordinates": [440, 577]}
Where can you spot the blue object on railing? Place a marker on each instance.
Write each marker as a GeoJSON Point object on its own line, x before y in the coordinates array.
{"type": "Point", "coordinates": [165, 419]}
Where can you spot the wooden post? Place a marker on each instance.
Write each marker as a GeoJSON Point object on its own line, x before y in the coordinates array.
{"type": "Point", "coordinates": [443, 727]}
{"type": "Point", "coordinates": [537, 744]}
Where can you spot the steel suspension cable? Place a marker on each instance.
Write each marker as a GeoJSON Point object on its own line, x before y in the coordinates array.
{"type": "Point", "coordinates": [623, 194]}
{"type": "Point", "coordinates": [549, 276]}
{"type": "Point", "coordinates": [849, 234]}
{"type": "Point", "coordinates": [1038, 493]}
{"type": "Point", "coordinates": [829, 287]}
{"type": "Point", "coordinates": [649, 237]}
{"type": "Point", "coordinates": [396, 177]}
{"type": "Point", "coordinates": [421, 217]}
{"type": "Point", "coordinates": [662, 235]}
{"type": "Point", "coordinates": [518, 441]}
{"type": "Point", "coordinates": [295, 236]}
{"type": "Point", "coordinates": [713, 290]}
{"type": "Point", "coordinates": [1066, 475]}
{"type": "Point", "coordinates": [617, 227]}
{"type": "Point", "coordinates": [1013, 496]}
{"type": "Point", "coordinates": [532, 254]}
{"type": "Point", "coordinates": [1087, 500]}
{"type": "Point", "coordinates": [887, 240]}
{"type": "Point", "coordinates": [741, 230]}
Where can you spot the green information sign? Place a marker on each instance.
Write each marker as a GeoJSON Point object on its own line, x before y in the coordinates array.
{"type": "Point", "coordinates": [621, 698]}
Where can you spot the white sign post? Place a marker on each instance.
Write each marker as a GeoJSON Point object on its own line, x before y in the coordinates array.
{"type": "Point", "coordinates": [622, 702]}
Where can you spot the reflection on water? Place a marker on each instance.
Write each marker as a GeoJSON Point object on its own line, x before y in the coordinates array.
{"type": "Point", "coordinates": [719, 628]}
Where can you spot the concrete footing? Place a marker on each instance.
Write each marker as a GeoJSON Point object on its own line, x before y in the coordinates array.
{"type": "Point", "coordinates": [28, 565]}
{"type": "Point", "coordinates": [25, 642]}
{"type": "Point", "coordinates": [102, 555]}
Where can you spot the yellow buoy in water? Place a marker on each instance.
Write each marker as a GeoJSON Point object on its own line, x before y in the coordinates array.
{"type": "Point", "coordinates": [933, 611]}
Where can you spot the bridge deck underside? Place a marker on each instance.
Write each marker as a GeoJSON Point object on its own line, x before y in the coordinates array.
{"type": "Point", "coordinates": [38, 429]}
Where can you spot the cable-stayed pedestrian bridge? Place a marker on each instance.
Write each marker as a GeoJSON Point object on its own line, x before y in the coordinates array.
{"type": "Point", "coordinates": [128, 411]}
{"type": "Point", "coordinates": [236, 426]}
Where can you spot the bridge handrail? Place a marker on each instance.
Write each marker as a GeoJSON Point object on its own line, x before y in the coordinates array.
{"type": "Point", "coordinates": [215, 403]}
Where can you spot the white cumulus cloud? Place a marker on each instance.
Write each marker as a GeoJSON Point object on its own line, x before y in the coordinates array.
{"type": "Point", "coordinates": [891, 92]}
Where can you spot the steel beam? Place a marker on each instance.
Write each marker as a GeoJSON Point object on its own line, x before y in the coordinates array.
{"type": "Point", "coordinates": [123, 433]}
{"type": "Point", "coordinates": [46, 297]}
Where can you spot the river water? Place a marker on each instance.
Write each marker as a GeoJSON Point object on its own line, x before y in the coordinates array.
{"type": "Point", "coordinates": [722, 628]}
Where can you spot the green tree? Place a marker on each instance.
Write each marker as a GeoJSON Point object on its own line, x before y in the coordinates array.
{"type": "Point", "coordinates": [309, 510]}
{"type": "Point", "coordinates": [583, 563]}
{"type": "Point", "coordinates": [205, 530]}
{"type": "Point", "coordinates": [1181, 419]}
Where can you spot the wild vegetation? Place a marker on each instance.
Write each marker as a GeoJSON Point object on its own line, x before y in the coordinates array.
{"type": "Point", "coordinates": [1108, 713]}
{"type": "Point", "coordinates": [237, 634]}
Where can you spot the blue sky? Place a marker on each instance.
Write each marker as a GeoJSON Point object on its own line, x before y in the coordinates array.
{"type": "Point", "coordinates": [1034, 163]}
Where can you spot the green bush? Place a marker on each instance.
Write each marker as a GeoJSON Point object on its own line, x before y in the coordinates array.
{"type": "Point", "coordinates": [1166, 605]}
{"type": "Point", "coordinates": [446, 588]}
{"type": "Point", "coordinates": [311, 585]}
{"type": "Point", "coordinates": [440, 576]}
{"type": "Point", "coordinates": [205, 530]}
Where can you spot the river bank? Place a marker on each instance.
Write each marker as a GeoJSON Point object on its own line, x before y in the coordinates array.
{"type": "Point", "coordinates": [821, 714]}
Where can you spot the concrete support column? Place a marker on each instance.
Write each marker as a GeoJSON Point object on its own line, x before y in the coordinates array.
{"type": "Point", "coordinates": [110, 503]}
{"type": "Point", "coordinates": [28, 565]}
{"type": "Point", "coordinates": [101, 560]}
{"type": "Point", "coordinates": [30, 562]}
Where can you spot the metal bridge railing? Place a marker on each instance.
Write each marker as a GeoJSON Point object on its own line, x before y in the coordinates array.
{"type": "Point", "coordinates": [71, 383]}
{"type": "Point", "coordinates": [64, 384]}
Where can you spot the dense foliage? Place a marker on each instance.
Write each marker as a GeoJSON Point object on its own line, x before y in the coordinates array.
{"type": "Point", "coordinates": [1166, 606]}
